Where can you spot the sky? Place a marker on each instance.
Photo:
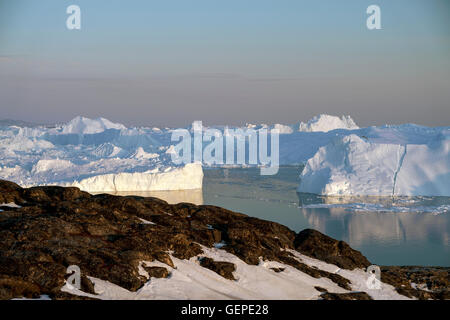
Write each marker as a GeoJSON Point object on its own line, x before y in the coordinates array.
{"type": "Point", "coordinates": [168, 63]}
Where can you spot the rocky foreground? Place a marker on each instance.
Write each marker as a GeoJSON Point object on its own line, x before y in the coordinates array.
{"type": "Point", "coordinates": [44, 230]}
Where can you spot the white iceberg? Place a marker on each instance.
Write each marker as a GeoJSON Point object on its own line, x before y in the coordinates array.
{"type": "Point", "coordinates": [325, 123]}
{"type": "Point", "coordinates": [184, 178]}
{"type": "Point", "coordinates": [82, 125]}
{"type": "Point", "coordinates": [351, 165]}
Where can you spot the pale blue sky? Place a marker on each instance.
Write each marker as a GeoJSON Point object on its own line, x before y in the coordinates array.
{"type": "Point", "coordinates": [225, 62]}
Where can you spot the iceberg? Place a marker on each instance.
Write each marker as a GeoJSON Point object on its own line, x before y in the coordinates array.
{"type": "Point", "coordinates": [184, 178]}
{"type": "Point", "coordinates": [339, 157]}
{"type": "Point", "coordinates": [325, 123]}
{"type": "Point", "coordinates": [353, 165]}
{"type": "Point", "coordinates": [82, 125]}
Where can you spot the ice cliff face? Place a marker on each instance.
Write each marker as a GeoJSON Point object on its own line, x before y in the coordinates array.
{"type": "Point", "coordinates": [188, 177]}
{"type": "Point", "coordinates": [352, 165]}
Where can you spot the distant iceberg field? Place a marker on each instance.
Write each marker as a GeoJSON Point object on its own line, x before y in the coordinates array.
{"type": "Point", "coordinates": [339, 158]}
{"type": "Point", "coordinates": [94, 155]}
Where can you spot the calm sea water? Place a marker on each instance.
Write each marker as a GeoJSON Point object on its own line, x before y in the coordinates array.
{"type": "Point", "coordinates": [401, 231]}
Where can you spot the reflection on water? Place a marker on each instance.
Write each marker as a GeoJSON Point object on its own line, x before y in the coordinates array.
{"type": "Point", "coordinates": [389, 231]}
{"type": "Point", "coordinates": [435, 205]}
{"type": "Point", "coordinates": [358, 228]}
{"type": "Point", "coordinates": [380, 219]}
{"type": "Point", "coordinates": [172, 197]}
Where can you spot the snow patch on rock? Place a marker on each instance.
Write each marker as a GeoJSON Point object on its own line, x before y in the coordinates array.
{"type": "Point", "coordinates": [189, 280]}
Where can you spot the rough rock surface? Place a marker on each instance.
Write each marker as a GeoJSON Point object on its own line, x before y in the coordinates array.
{"type": "Point", "coordinates": [157, 272]}
{"type": "Point", "coordinates": [223, 268]}
{"type": "Point", "coordinates": [432, 282]}
{"type": "Point", "coordinates": [317, 245]}
{"type": "Point", "coordinates": [345, 296]}
{"type": "Point", "coordinates": [109, 236]}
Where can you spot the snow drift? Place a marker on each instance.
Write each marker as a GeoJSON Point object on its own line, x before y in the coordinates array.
{"type": "Point", "coordinates": [351, 165]}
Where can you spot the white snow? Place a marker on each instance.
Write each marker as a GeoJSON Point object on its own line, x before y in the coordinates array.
{"type": "Point", "coordinates": [146, 221]}
{"type": "Point", "coordinates": [351, 165]}
{"type": "Point", "coordinates": [188, 280]}
{"type": "Point", "coordinates": [10, 205]}
{"type": "Point", "coordinates": [325, 123]}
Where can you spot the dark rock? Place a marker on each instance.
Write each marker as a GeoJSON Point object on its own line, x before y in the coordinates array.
{"type": "Point", "coordinates": [14, 287]}
{"type": "Point", "coordinates": [320, 289]}
{"type": "Point", "coordinates": [225, 269]}
{"type": "Point", "coordinates": [432, 282]}
{"type": "Point", "coordinates": [345, 296]}
{"type": "Point", "coordinates": [164, 258]}
{"type": "Point", "coordinates": [317, 245]}
{"type": "Point", "coordinates": [10, 192]}
{"type": "Point", "coordinates": [157, 272]}
{"type": "Point", "coordinates": [87, 285]}
{"type": "Point", "coordinates": [278, 270]}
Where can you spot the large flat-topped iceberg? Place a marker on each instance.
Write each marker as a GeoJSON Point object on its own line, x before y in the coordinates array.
{"type": "Point", "coordinates": [352, 165]}
{"type": "Point", "coordinates": [185, 178]}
